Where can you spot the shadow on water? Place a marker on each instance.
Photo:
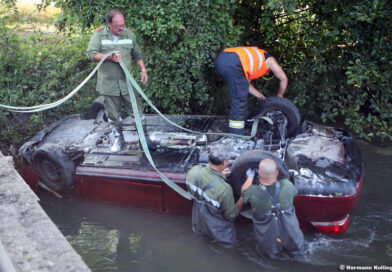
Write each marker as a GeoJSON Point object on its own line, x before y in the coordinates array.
{"type": "Point", "coordinates": [117, 238]}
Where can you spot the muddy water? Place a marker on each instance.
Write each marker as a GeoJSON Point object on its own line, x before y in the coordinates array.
{"type": "Point", "coordinates": [117, 238]}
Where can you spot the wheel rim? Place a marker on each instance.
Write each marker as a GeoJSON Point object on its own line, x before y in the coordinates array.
{"type": "Point", "coordinates": [279, 126]}
{"type": "Point", "coordinates": [275, 115]}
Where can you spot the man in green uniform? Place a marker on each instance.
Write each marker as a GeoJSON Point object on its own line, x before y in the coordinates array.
{"type": "Point", "coordinates": [275, 223]}
{"type": "Point", "coordinates": [214, 209]}
{"type": "Point", "coordinates": [111, 82]}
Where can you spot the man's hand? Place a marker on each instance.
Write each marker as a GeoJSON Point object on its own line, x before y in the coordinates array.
{"type": "Point", "coordinates": [143, 71]}
{"type": "Point", "coordinates": [116, 57]}
{"type": "Point", "coordinates": [144, 76]}
{"type": "Point", "coordinates": [253, 91]}
{"type": "Point", "coordinates": [226, 172]}
{"type": "Point", "coordinates": [250, 173]}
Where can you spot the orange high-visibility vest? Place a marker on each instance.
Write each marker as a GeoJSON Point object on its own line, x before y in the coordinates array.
{"type": "Point", "coordinates": [252, 60]}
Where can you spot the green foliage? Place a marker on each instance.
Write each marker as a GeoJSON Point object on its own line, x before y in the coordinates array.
{"type": "Point", "coordinates": [336, 55]}
{"type": "Point", "coordinates": [180, 40]}
{"type": "Point", "coordinates": [39, 69]}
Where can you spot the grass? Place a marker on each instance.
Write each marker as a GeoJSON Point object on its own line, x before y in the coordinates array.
{"type": "Point", "coordinates": [27, 19]}
{"type": "Point", "coordinates": [27, 12]}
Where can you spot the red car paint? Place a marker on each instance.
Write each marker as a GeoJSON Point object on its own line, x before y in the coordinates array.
{"type": "Point", "coordinates": [145, 189]}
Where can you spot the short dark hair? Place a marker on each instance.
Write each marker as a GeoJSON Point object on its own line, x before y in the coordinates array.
{"type": "Point", "coordinates": [218, 154]}
{"type": "Point", "coordinates": [112, 13]}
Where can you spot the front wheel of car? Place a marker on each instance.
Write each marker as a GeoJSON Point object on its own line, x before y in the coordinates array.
{"type": "Point", "coordinates": [55, 168]}
{"type": "Point", "coordinates": [251, 159]}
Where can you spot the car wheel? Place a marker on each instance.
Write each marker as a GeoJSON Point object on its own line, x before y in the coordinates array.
{"type": "Point", "coordinates": [273, 106]}
{"type": "Point", "coordinates": [97, 106]}
{"type": "Point", "coordinates": [55, 168]}
{"type": "Point", "coordinates": [251, 159]}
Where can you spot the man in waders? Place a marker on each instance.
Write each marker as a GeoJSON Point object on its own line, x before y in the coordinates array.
{"type": "Point", "coordinates": [238, 66]}
{"type": "Point", "coordinates": [275, 223]}
{"type": "Point", "coordinates": [214, 209]}
{"type": "Point", "coordinates": [111, 82]}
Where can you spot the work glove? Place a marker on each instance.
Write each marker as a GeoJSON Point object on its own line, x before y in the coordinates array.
{"type": "Point", "coordinates": [250, 173]}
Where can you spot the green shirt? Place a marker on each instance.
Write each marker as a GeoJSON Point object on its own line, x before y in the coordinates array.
{"type": "Point", "coordinates": [111, 78]}
{"type": "Point", "coordinates": [221, 193]}
{"type": "Point", "coordinates": [261, 203]}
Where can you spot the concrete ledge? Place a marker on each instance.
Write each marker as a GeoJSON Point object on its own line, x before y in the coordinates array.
{"type": "Point", "coordinates": [30, 239]}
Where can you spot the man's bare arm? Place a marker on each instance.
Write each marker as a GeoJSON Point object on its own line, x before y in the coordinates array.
{"type": "Point", "coordinates": [253, 91]}
{"type": "Point", "coordinates": [273, 65]}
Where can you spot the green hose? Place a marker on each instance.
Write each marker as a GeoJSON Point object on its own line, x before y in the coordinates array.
{"type": "Point", "coordinates": [58, 102]}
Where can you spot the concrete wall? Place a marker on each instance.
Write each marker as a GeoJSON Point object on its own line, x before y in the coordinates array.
{"type": "Point", "coordinates": [29, 240]}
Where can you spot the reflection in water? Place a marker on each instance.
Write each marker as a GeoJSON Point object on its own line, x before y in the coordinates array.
{"type": "Point", "coordinates": [117, 238]}
{"type": "Point", "coordinates": [366, 242]}
{"type": "Point", "coordinates": [97, 245]}
{"type": "Point", "coordinates": [134, 242]}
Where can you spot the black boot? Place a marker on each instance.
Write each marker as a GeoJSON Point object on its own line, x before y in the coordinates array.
{"type": "Point", "coordinates": [118, 142]}
{"type": "Point", "coordinates": [151, 146]}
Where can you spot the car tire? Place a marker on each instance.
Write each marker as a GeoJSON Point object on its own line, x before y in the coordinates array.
{"type": "Point", "coordinates": [290, 111]}
{"type": "Point", "coordinates": [97, 106]}
{"type": "Point", "coordinates": [55, 168]}
{"type": "Point", "coordinates": [251, 159]}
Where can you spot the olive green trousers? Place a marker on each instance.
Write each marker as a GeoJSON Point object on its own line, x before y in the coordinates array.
{"type": "Point", "coordinates": [113, 106]}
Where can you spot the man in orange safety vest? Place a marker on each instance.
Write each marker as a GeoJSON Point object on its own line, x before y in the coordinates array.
{"type": "Point", "coordinates": [238, 66]}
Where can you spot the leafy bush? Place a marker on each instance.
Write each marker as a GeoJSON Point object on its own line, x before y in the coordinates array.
{"type": "Point", "coordinates": [336, 55]}
{"type": "Point", "coordinates": [39, 69]}
{"type": "Point", "coordinates": [180, 40]}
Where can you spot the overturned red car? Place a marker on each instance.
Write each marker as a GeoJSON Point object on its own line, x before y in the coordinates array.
{"type": "Point", "coordinates": [73, 155]}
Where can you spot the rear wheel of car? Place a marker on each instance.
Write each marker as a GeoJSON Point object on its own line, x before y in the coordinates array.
{"type": "Point", "coordinates": [251, 159]}
{"type": "Point", "coordinates": [55, 168]}
{"type": "Point", "coordinates": [273, 106]}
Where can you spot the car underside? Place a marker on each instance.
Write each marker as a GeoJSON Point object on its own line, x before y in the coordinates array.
{"type": "Point", "coordinates": [324, 163]}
